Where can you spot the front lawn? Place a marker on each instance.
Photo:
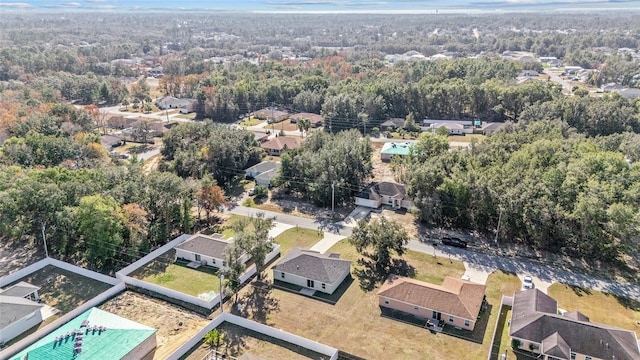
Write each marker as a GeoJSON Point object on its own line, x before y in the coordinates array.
{"type": "Point", "coordinates": [251, 121]}
{"type": "Point", "coordinates": [600, 307]}
{"type": "Point", "coordinates": [303, 238]}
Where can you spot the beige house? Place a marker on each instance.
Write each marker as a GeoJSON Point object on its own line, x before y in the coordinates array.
{"type": "Point", "coordinates": [456, 302]}
{"type": "Point", "coordinates": [271, 115]}
{"type": "Point", "coordinates": [314, 119]}
{"type": "Point", "coordinates": [384, 193]}
{"type": "Point", "coordinates": [312, 270]}
{"type": "Point", "coordinates": [206, 250]}
{"type": "Point", "coordinates": [278, 145]}
{"type": "Point", "coordinates": [537, 326]}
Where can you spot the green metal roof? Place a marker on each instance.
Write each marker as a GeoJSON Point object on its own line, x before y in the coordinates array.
{"type": "Point", "coordinates": [396, 148]}
{"type": "Point", "coordinates": [120, 337]}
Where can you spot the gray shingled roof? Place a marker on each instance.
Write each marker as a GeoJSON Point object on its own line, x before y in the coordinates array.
{"type": "Point", "coordinates": [534, 318]}
{"type": "Point", "coordinates": [212, 246]}
{"type": "Point", "coordinates": [312, 265]}
{"type": "Point", "coordinates": [14, 308]}
{"type": "Point", "coordinates": [20, 289]}
{"type": "Point", "coordinates": [263, 167]}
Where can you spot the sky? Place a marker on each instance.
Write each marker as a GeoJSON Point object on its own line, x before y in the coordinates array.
{"type": "Point", "coordinates": [323, 6]}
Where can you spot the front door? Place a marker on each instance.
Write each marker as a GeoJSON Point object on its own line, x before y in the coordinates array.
{"type": "Point", "coordinates": [436, 315]}
{"type": "Point", "coordinates": [310, 283]}
{"type": "Point", "coordinates": [198, 257]}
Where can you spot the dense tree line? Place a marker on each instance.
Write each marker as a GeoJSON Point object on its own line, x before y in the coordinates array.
{"type": "Point", "coordinates": [194, 149]}
{"type": "Point", "coordinates": [540, 184]}
{"type": "Point", "coordinates": [327, 164]}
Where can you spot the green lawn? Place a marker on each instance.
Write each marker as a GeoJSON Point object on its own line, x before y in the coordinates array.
{"type": "Point", "coordinates": [598, 306]}
{"type": "Point", "coordinates": [500, 283]}
{"type": "Point", "coordinates": [189, 116]}
{"type": "Point", "coordinates": [304, 238]}
{"type": "Point", "coordinates": [227, 232]}
{"type": "Point", "coordinates": [180, 278]}
{"type": "Point", "coordinates": [250, 121]}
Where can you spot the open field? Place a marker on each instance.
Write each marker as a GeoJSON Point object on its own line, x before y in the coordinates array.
{"type": "Point", "coordinates": [177, 276]}
{"type": "Point", "coordinates": [64, 290]}
{"type": "Point", "coordinates": [304, 238]}
{"type": "Point", "coordinates": [16, 255]}
{"type": "Point", "coordinates": [250, 121]}
{"type": "Point", "coordinates": [598, 306]}
{"type": "Point", "coordinates": [175, 325]}
{"type": "Point", "coordinates": [354, 323]}
{"type": "Point", "coordinates": [466, 138]}
{"type": "Point", "coordinates": [238, 340]}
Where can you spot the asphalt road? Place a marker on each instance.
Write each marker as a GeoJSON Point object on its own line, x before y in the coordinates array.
{"type": "Point", "coordinates": [555, 78]}
{"type": "Point", "coordinates": [479, 260]}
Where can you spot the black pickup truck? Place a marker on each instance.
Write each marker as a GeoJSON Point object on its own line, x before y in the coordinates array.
{"type": "Point", "coordinates": [454, 241]}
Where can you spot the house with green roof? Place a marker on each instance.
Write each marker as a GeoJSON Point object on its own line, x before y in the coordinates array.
{"type": "Point", "coordinates": [94, 335]}
{"type": "Point", "coordinates": [391, 149]}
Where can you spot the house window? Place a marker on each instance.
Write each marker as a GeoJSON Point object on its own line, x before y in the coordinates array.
{"type": "Point", "coordinates": [282, 275]}
{"type": "Point", "coordinates": [467, 323]}
{"type": "Point", "coordinates": [324, 286]}
{"type": "Point", "coordinates": [450, 318]}
{"type": "Point", "coordinates": [573, 356]}
{"type": "Point", "coordinates": [224, 264]}
{"type": "Point", "coordinates": [310, 283]}
{"type": "Point", "coordinates": [386, 301]}
{"type": "Point", "coordinates": [587, 358]}
{"type": "Point", "coordinates": [416, 308]}
{"type": "Point", "coordinates": [213, 261]}
{"type": "Point", "coordinates": [198, 257]}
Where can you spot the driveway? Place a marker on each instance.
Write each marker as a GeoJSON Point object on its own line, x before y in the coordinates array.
{"type": "Point", "coordinates": [327, 242]}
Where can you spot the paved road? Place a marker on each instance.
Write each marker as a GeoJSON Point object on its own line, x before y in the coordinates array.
{"type": "Point", "coordinates": [555, 78]}
{"type": "Point", "coordinates": [149, 154]}
{"type": "Point", "coordinates": [480, 261]}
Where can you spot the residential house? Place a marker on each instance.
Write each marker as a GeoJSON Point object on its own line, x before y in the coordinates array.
{"type": "Point", "coordinates": [94, 334]}
{"type": "Point", "coordinates": [314, 119]}
{"type": "Point", "coordinates": [391, 149]}
{"type": "Point", "coordinates": [456, 302]}
{"type": "Point", "coordinates": [454, 129]}
{"type": "Point", "coordinates": [263, 173]}
{"type": "Point", "coordinates": [19, 310]}
{"type": "Point", "coordinates": [261, 137]}
{"type": "Point", "coordinates": [393, 123]}
{"type": "Point", "coordinates": [384, 193]}
{"type": "Point", "coordinates": [312, 270]}
{"type": "Point", "coordinates": [528, 73]}
{"type": "Point", "coordinates": [488, 128]}
{"type": "Point", "coordinates": [611, 87]}
{"type": "Point", "coordinates": [629, 93]}
{"type": "Point", "coordinates": [278, 145]}
{"type": "Point", "coordinates": [110, 141]}
{"type": "Point", "coordinates": [537, 326]}
{"type": "Point", "coordinates": [572, 70]}
{"type": "Point", "coordinates": [206, 250]}
{"type": "Point", "coordinates": [271, 115]}
{"type": "Point", "coordinates": [184, 105]}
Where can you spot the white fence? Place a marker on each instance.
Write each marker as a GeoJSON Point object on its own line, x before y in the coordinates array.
{"type": "Point", "coordinates": [252, 269]}
{"type": "Point", "coordinates": [24, 343]}
{"type": "Point", "coordinates": [171, 294]}
{"type": "Point", "coordinates": [257, 327]}
{"type": "Point", "coordinates": [154, 254]}
{"type": "Point", "coordinates": [6, 280]}
{"type": "Point", "coordinates": [506, 300]}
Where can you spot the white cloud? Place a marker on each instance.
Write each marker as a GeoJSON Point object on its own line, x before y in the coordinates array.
{"type": "Point", "coordinates": [16, 5]}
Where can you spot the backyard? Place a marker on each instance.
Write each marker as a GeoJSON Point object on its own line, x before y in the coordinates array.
{"type": "Point", "coordinates": [175, 325]}
{"type": "Point", "coordinates": [303, 238]}
{"type": "Point", "coordinates": [238, 340]}
{"type": "Point", "coordinates": [175, 275]}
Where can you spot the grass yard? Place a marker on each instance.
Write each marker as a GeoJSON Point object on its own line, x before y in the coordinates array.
{"type": "Point", "coordinates": [177, 276]}
{"type": "Point", "coordinates": [189, 116]}
{"type": "Point", "coordinates": [239, 340]}
{"type": "Point", "coordinates": [250, 121]}
{"type": "Point", "coordinates": [62, 289]}
{"type": "Point", "coordinates": [227, 232]}
{"type": "Point", "coordinates": [598, 306]}
{"type": "Point", "coordinates": [500, 283]}
{"type": "Point", "coordinates": [355, 325]}
{"type": "Point", "coordinates": [304, 238]}
{"type": "Point", "coordinates": [467, 138]}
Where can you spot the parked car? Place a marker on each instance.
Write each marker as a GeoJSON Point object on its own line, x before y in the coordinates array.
{"type": "Point", "coordinates": [454, 241]}
{"type": "Point", "coordinates": [252, 191]}
{"type": "Point", "coordinates": [527, 283]}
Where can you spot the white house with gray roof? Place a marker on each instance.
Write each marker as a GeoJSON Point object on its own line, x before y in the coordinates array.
{"type": "Point", "coordinates": [19, 310]}
{"type": "Point", "coordinates": [312, 270]}
{"type": "Point", "coordinates": [206, 250]}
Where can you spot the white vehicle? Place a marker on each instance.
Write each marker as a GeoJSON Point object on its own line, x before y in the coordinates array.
{"type": "Point", "coordinates": [527, 283]}
{"type": "Point", "coordinates": [252, 191]}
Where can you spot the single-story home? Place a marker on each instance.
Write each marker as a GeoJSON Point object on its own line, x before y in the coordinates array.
{"type": "Point", "coordinates": [110, 141]}
{"type": "Point", "coordinates": [456, 302]}
{"type": "Point", "coordinates": [528, 73]}
{"type": "Point", "coordinates": [537, 326]}
{"type": "Point", "coordinates": [391, 149]}
{"type": "Point", "coordinates": [314, 119]}
{"type": "Point", "coordinates": [312, 270]}
{"type": "Point", "coordinates": [611, 87]}
{"type": "Point", "coordinates": [19, 310]}
{"type": "Point", "coordinates": [263, 173]}
{"type": "Point", "coordinates": [393, 123]}
{"type": "Point", "coordinates": [261, 137]}
{"type": "Point", "coordinates": [94, 334]}
{"type": "Point", "coordinates": [454, 129]}
{"type": "Point", "coordinates": [170, 102]}
{"type": "Point", "coordinates": [271, 115]}
{"type": "Point", "coordinates": [278, 145]}
{"type": "Point", "coordinates": [629, 93]}
{"type": "Point", "coordinates": [206, 250]}
{"type": "Point", "coordinates": [488, 128]}
{"type": "Point", "coordinates": [384, 193]}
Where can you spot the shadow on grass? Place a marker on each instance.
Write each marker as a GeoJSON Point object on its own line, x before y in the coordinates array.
{"type": "Point", "coordinates": [497, 340]}
{"type": "Point", "coordinates": [628, 303]}
{"type": "Point", "coordinates": [369, 273]}
{"type": "Point", "coordinates": [156, 266]}
{"type": "Point", "coordinates": [258, 303]}
{"type": "Point", "coordinates": [579, 291]}
{"type": "Point", "coordinates": [479, 330]}
{"type": "Point", "coordinates": [337, 294]}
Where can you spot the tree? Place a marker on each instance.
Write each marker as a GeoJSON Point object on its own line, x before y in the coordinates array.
{"type": "Point", "coordinates": [214, 339]}
{"type": "Point", "coordinates": [303, 125]}
{"type": "Point", "coordinates": [261, 192]}
{"type": "Point", "coordinates": [252, 236]}
{"type": "Point", "coordinates": [410, 122]}
{"type": "Point", "coordinates": [234, 268]}
{"type": "Point", "coordinates": [210, 198]}
{"type": "Point", "coordinates": [364, 119]}
{"type": "Point", "coordinates": [378, 239]}
{"type": "Point", "coordinates": [126, 103]}
{"type": "Point", "coordinates": [100, 226]}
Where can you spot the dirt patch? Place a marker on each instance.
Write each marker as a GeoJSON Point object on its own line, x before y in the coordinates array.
{"type": "Point", "coordinates": [381, 170]}
{"type": "Point", "coordinates": [17, 255]}
{"type": "Point", "coordinates": [175, 325]}
{"type": "Point", "coordinates": [404, 218]}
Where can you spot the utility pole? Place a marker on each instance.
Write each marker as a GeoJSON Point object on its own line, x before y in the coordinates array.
{"type": "Point", "coordinates": [498, 230]}
{"type": "Point", "coordinates": [44, 239]}
{"type": "Point", "coordinates": [333, 196]}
